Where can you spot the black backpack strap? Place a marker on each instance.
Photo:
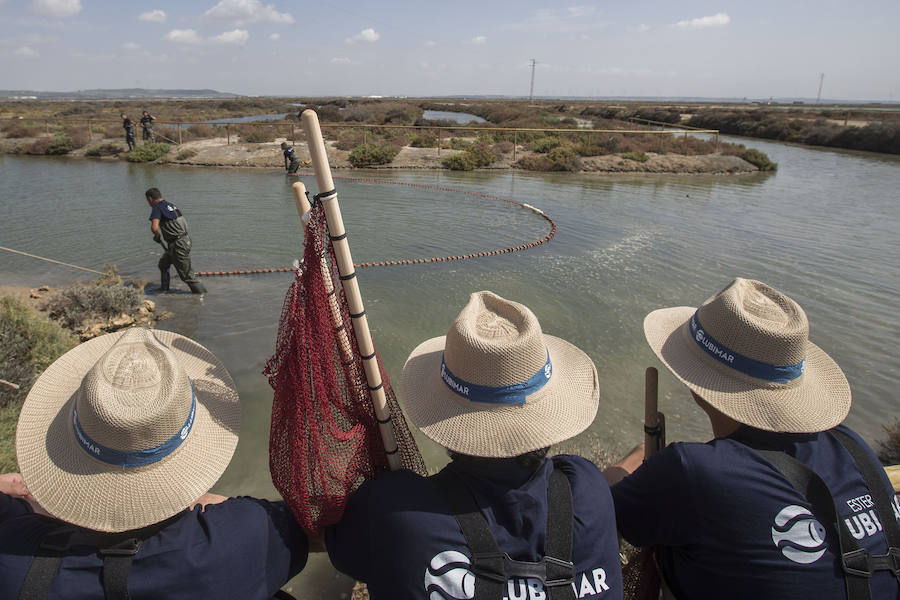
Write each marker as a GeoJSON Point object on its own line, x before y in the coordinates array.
{"type": "Point", "coordinates": [487, 560]}
{"type": "Point", "coordinates": [46, 563]}
{"type": "Point", "coordinates": [874, 481]}
{"type": "Point", "coordinates": [116, 565]}
{"type": "Point", "coordinates": [811, 486]}
{"type": "Point", "coordinates": [493, 568]}
{"type": "Point", "coordinates": [560, 522]}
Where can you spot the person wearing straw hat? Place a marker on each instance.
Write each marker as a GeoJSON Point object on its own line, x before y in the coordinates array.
{"type": "Point", "coordinates": [784, 494]}
{"type": "Point", "coordinates": [118, 443]}
{"type": "Point", "coordinates": [501, 520]}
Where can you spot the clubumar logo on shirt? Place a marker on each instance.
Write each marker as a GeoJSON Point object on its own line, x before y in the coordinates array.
{"type": "Point", "coordinates": [798, 535]}
{"type": "Point", "coordinates": [448, 578]}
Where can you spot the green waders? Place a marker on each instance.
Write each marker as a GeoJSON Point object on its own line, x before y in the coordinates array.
{"type": "Point", "coordinates": [179, 256]}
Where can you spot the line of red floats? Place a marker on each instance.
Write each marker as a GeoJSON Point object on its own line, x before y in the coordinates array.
{"type": "Point", "coordinates": [410, 261]}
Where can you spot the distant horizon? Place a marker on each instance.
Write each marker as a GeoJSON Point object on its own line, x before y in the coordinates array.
{"type": "Point", "coordinates": [170, 94]}
{"type": "Point", "coordinates": [276, 48]}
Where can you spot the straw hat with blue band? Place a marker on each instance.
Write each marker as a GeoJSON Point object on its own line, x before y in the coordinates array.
{"type": "Point", "coordinates": [496, 385]}
{"type": "Point", "coordinates": [127, 429]}
{"type": "Point", "coordinates": [746, 352]}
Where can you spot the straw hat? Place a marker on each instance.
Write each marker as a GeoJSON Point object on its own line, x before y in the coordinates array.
{"type": "Point", "coordinates": [746, 351]}
{"type": "Point", "coordinates": [496, 386]}
{"type": "Point", "coordinates": [127, 429]}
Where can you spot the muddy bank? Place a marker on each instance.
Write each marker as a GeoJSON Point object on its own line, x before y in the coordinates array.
{"type": "Point", "coordinates": [217, 152]}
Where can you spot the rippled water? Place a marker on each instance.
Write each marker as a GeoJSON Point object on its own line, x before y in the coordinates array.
{"type": "Point", "coordinates": [449, 115]}
{"type": "Point", "coordinates": [824, 229]}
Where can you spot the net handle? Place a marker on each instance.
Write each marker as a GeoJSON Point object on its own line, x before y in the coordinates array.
{"type": "Point", "coordinates": [303, 207]}
{"type": "Point", "coordinates": [350, 283]}
{"type": "Point", "coordinates": [654, 423]}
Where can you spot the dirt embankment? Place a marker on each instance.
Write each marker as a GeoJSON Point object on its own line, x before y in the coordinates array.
{"type": "Point", "coordinates": [217, 152]}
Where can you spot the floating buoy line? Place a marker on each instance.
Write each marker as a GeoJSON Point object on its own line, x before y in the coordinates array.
{"type": "Point", "coordinates": [382, 263]}
{"type": "Point", "coordinates": [417, 261]}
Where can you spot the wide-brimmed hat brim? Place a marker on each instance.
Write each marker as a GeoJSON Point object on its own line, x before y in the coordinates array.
{"type": "Point", "coordinates": [563, 408]}
{"type": "Point", "coordinates": [817, 401]}
{"type": "Point", "coordinates": [77, 488]}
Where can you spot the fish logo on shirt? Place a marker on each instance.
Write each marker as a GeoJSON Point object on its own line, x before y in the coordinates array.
{"type": "Point", "coordinates": [448, 577]}
{"type": "Point", "coordinates": [799, 536]}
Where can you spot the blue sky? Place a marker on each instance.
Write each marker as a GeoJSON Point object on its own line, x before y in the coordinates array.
{"type": "Point", "coordinates": [336, 47]}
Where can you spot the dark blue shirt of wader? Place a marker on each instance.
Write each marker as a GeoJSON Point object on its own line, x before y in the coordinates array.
{"type": "Point", "coordinates": [733, 527]}
{"type": "Point", "coordinates": [398, 535]}
{"type": "Point", "coordinates": [289, 153]}
{"type": "Point", "coordinates": [164, 211]}
{"type": "Point", "coordinates": [242, 548]}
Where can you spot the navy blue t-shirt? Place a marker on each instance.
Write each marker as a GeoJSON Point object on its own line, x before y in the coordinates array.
{"type": "Point", "coordinates": [164, 211]}
{"type": "Point", "coordinates": [241, 548]}
{"type": "Point", "coordinates": [399, 536]}
{"type": "Point", "coordinates": [731, 526]}
{"type": "Point", "coordinates": [289, 153]}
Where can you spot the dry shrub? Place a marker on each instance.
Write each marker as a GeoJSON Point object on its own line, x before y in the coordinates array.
{"type": "Point", "coordinates": [102, 299]}
{"type": "Point", "coordinates": [889, 447]}
{"type": "Point", "coordinates": [18, 130]}
{"type": "Point", "coordinates": [200, 131]}
{"type": "Point", "coordinates": [257, 134]}
{"type": "Point", "coordinates": [106, 149]}
{"type": "Point", "coordinates": [503, 147]}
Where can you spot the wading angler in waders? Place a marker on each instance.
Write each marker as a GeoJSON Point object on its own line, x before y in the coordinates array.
{"type": "Point", "coordinates": [167, 223]}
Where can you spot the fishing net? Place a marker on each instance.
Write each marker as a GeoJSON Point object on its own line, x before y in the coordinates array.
{"type": "Point", "coordinates": [324, 439]}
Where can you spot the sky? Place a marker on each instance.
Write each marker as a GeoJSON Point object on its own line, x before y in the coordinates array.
{"type": "Point", "coordinates": [717, 49]}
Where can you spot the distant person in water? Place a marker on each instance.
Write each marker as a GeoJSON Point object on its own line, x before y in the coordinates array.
{"type": "Point", "coordinates": [291, 161]}
{"type": "Point", "coordinates": [128, 125]}
{"type": "Point", "coordinates": [147, 126]}
{"type": "Point", "coordinates": [167, 223]}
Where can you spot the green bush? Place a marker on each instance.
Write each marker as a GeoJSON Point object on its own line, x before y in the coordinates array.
{"type": "Point", "coordinates": [545, 144]}
{"type": "Point", "coordinates": [102, 299]}
{"type": "Point", "coordinates": [480, 155]}
{"type": "Point", "coordinates": [58, 144]}
{"type": "Point", "coordinates": [889, 447]}
{"type": "Point", "coordinates": [148, 152]}
{"type": "Point", "coordinates": [758, 159]}
{"type": "Point", "coordinates": [424, 140]}
{"type": "Point", "coordinates": [30, 343]}
{"type": "Point", "coordinates": [106, 149]}
{"type": "Point", "coordinates": [366, 155]}
{"type": "Point", "coordinates": [586, 149]}
{"type": "Point", "coordinates": [459, 162]}
{"type": "Point", "coordinates": [636, 155]}
{"type": "Point", "coordinates": [459, 144]}
{"type": "Point", "coordinates": [257, 134]}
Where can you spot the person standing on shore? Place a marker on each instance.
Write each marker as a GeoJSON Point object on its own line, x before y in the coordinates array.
{"type": "Point", "coordinates": [291, 161]}
{"type": "Point", "coordinates": [167, 223]}
{"type": "Point", "coordinates": [128, 125]}
{"type": "Point", "coordinates": [501, 520]}
{"type": "Point", "coordinates": [785, 502]}
{"type": "Point", "coordinates": [119, 441]}
{"type": "Point", "coordinates": [147, 126]}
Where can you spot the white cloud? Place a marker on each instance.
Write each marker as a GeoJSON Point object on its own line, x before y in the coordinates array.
{"type": "Point", "coordinates": [479, 39]}
{"type": "Point", "coordinates": [56, 8]}
{"type": "Point", "coordinates": [236, 37]}
{"type": "Point", "coordinates": [25, 51]}
{"type": "Point", "coordinates": [155, 16]}
{"type": "Point", "coordinates": [184, 36]}
{"type": "Point", "coordinates": [131, 46]}
{"type": "Point", "coordinates": [643, 28]}
{"type": "Point", "coordinates": [366, 35]}
{"type": "Point", "coordinates": [243, 12]}
{"type": "Point", "coordinates": [579, 11]}
{"type": "Point", "coordinates": [716, 20]}
{"type": "Point", "coordinates": [274, 36]}
{"type": "Point", "coordinates": [431, 43]}
{"type": "Point", "coordinates": [338, 60]}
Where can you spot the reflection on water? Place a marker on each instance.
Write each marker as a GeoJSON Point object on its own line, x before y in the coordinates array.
{"type": "Point", "coordinates": [823, 229]}
{"type": "Point", "coordinates": [447, 115]}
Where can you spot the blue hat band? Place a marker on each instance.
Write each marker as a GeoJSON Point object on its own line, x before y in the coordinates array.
{"type": "Point", "coordinates": [503, 394]}
{"type": "Point", "coordinates": [134, 458]}
{"type": "Point", "coordinates": [740, 363]}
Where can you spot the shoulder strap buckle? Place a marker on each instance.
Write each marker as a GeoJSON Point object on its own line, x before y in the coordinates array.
{"type": "Point", "coordinates": [558, 572]}
{"type": "Point", "coordinates": [490, 565]}
{"type": "Point", "coordinates": [856, 562]}
{"type": "Point", "coordinates": [127, 547]}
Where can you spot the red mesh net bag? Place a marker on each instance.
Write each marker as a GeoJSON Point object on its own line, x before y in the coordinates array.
{"type": "Point", "coordinates": [324, 439]}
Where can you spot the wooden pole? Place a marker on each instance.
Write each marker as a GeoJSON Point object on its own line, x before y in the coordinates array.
{"type": "Point", "coordinates": [653, 424]}
{"type": "Point", "coordinates": [179, 134]}
{"type": "Point", "coordinates": [328, 196]}
{"type": "Point", "coordinates": [227, 135]}
{"type": "Point", "coordinates": [90, 131]}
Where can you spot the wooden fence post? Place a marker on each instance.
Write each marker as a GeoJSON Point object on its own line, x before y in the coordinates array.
{"type": "Point", "coordinates": [227, 134]}
{"type": "Point", "coordinates": [515, 143]}
{"type": "Point", "coordinates": [439, 143]}
{"type": "Point", "coordinates": [179, 133]}
{"type": "Point", "coordinates": [90, 131]}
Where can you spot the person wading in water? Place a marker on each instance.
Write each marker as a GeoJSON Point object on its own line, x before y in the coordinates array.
{"type": "Point", "coordinates": [167, 223]}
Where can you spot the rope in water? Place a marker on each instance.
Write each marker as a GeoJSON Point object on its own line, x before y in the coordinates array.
{"type": "Point", "coordinates": [59, 262]}
{"type": "Point", "coordinates": [417, 261]}
{"type": "Point", "coordinates": [363, 265]}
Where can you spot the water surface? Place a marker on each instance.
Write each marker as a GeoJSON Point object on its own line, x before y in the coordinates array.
{"type": "Point", "coordinates": [824, 229]}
